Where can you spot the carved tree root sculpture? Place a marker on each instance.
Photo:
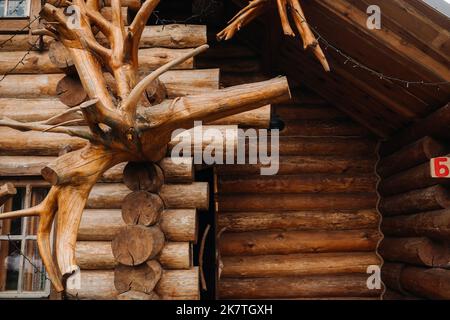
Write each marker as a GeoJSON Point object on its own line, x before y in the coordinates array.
{"type": "Point", "coordinates": [120, 128]}
{"type": "Point", "coordinates": [257, 7]}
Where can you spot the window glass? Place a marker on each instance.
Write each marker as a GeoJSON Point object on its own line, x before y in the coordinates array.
{"type": "Point", "coordinates": [10, 263]}
{"type": "Point", "coordinates": [14, 8]}
{"type": "Point", "coordinates": [22, 272]}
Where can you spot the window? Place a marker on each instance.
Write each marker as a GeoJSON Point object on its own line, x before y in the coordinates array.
{"type": "Point", "coordinates": [22, 273]}
{"type": "Point", "coordinates": [14, 8]}
{"type": "Point", "coordinates": [19, 16]}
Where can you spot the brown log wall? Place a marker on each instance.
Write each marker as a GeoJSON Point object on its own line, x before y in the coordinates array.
{"type": "Point", "coordinates": [311, 231]}
{"type": "Point", "coordinates": [416, 213]}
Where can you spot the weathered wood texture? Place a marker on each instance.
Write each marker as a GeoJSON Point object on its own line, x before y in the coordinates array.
{"type": "Point", "coordinates": [311, 231]}
{"type": "Point", "coordinates": [416, 251]}
{"type": "Point", "coordinates": [296, 287]}
{"type": "Point", "coordinates": [432, 224]}
{"type": "Point", "coordinates": [104, 224]}
{"type": "Point", "coordinates": [429, 283]}
{"type": "Point", "coordinates": [411, 156]}
{"type": "Point", "coordinates": [177, 82]}
{"type": "Point", "coordinates": [7, 191]}
{"type": "Point", "coordinates": [174, 285]}
{"type": "Point", "coordinates": [415, 206]}
{"type": "Point", "coordinates": [432, 198]}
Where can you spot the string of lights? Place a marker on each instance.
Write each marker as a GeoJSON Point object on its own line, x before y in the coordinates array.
{"type": "Point", "coordinates": [207, 10]}
{"type": "Point", "coordinates": [356, 64]}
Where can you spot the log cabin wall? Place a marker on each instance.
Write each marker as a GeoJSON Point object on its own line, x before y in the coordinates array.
{"type": "Point", "coordinates": [416, 212]}
{"type": "Point", "coordinates": [311, 231]}
{"type": "Point", "coordinates": [44, 86]}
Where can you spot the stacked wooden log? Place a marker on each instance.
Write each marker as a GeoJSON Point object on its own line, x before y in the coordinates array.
{"type": "Point", "coordinates": [312, 230]}
{"type": "Point", "coordinates": [416, 209]}
{"type": "Point", "coordinates": [143, 250]}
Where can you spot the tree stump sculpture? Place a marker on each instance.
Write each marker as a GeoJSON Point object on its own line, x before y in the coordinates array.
{"type": "Point", "coordinates": [121, 125]}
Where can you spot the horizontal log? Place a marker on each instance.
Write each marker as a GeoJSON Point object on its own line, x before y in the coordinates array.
{"type": "Point", "coordinates": [142, 208]}
{"type": "Point", "coordinates": [23, 165]}
{"type": "Point", "coordinates": [176, 255]}
{"type": "Point", "coordinates": [7, 191]}
{"type": "Point", "coordinates": [297, 265]}
{"type": "Point", "coordinates": [308, 112]}
{"type": "Point", "coordinates": [175, 196]}
{"type": "Point", "coordinates": [14, 142]}
{"type": "Point", "coordinates": [258, 118]}
{"type": "Point", "coordinates": [416, 251]}
{"type": "Point", "coordinates": [288, 147]}
{"type": "Point", "coordinates": [177, 169]}
{"type": "Point", "coordinates": [174, 284]}
{"type": "Point", "coordinates": [131, 4]}
{"type": "Point", "coordinates": [291, 242]}
{"type": "Point", "coordinates": [186, 196]}
{"type": "Point", "coordinates": [143, 176]}
{"type": "Point", "coordinates": [100, 225]}
{"type": "Point", "coordinates": [32, 166]}
{"type": "Point", "coordinates": [323, 128]}
{"type": "Point", "coordinates": [298, 220]}
{"type": "Point", "coordinates": [104, 224]}
{"type": "Point", "coordinates": [40, 62]}
{"type": "Point", "coordinates": [180, 225]}
{"type": "Point", "coordinates": [415, 178]}
{"type": "Point", "coordinates": [107, 13]}
{"type": "Point", "coordinates": [31, 86]}
{"type": "Point", "coordinates": [390, 275]}
{"type": "Point", "coordinates": [134, 245]}
{"type": "Point", "coordinates": [432, 198]}
{"type": "Point", "coordinates": [177, 82]}
{"type": "Point", "coordinates": [94, 255]}
{"type": "Point", "coordinates": [298, 287]}
{"type": "Point", "coordinates": [431, 283]}
{"type": "Point", "coordinates": [190, 82]}
{"type": "Point", "coordinates": [271, 202]}
{"type": "Point", "coordinates": [292, 165]}
{"type": "Point", "coordinates": [174, 36]}
{"type": "Point", "coordinates": [179, 285]}
{"type": "Point", "coordinates": [98, 255]}
{"type": "Point", "coordinates": [136, 295]}
{"type": "Point", "coordinates": [433, 224]}
{"type": "Point", "coordinates": [313, 146]}
{"type": "Point", "coordinates": [410, 156]}
{"type": "Point", "coordinates": [313, 183]}
{"type": "Point", "coordinates": [432, 125]}
{"type": "Point", "coordinates": [94, 285]}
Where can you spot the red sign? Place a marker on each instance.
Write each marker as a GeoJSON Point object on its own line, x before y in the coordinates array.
{"type": "Point", "coordinates": [440, 167]}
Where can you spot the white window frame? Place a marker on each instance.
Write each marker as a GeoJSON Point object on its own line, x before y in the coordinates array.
{"type": "Point", "coordinates": [23, 237]}
{"type": "Point", "coordinates": [27, 13]}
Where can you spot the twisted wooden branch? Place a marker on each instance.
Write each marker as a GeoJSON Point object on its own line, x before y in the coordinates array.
{"type": "Point", "coordinates": [118, 131]}
{"type": "Point", "coordinates": [256, 8]}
